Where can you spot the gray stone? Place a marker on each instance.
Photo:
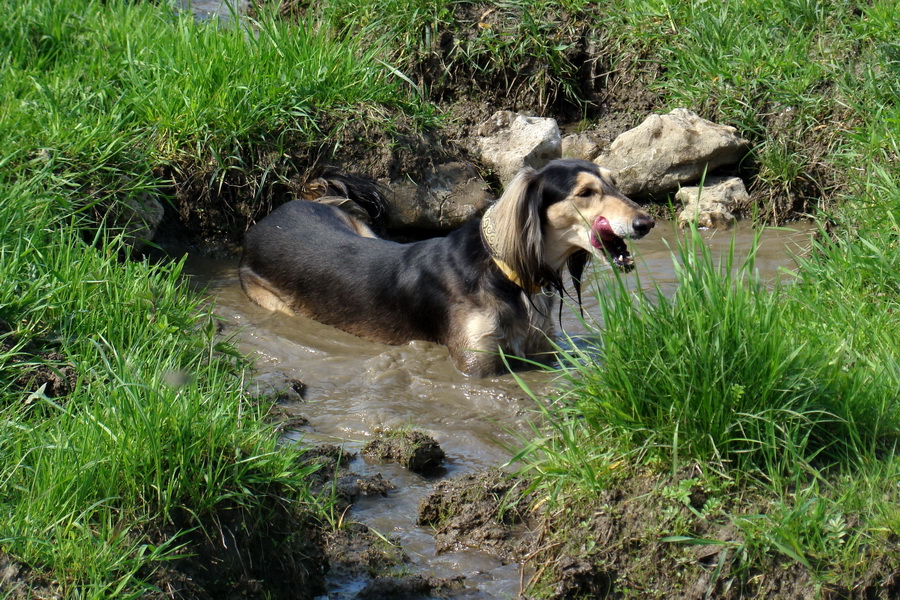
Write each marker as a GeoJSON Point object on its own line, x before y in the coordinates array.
{"type": "Point", "coordinates": [666, 151]}
{"type": "Point", "coordinates": [450, 195]}
{"type": "Point", "coordinates": [580, 145]}
{"type": "Point", "coordinates": [713, 205]}
{"type": "Point", "coordinates": [509, 141]}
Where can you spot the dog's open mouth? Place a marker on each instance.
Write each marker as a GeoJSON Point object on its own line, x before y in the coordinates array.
{"type": "Point", "coordinates": [603, 237]}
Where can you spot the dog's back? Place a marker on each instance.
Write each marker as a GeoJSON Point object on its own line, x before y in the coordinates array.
{"type": "Point", "coordinates": [317, 261]}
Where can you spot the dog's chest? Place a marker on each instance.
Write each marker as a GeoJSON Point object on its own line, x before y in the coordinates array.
{"type": "Point", "coordinates": [524, 336]}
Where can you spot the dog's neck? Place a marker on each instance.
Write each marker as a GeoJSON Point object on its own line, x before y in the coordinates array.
{"type": "Point", "coordinates": [489, 235]}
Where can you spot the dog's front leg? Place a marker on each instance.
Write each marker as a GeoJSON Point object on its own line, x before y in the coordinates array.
{"type": "Point", "coordinates": [478, 362]}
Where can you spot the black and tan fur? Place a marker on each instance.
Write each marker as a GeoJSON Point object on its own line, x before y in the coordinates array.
{"type": "Point", "coordinates": [490, 285]}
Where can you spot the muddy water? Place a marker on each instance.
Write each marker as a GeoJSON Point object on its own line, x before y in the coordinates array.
{"type": "Point", "coordinates": [224, 10]}
{"type": "Point", "coordinates": [357, 388]}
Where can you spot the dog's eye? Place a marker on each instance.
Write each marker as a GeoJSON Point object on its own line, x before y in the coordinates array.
{"type": "Point", "coordinates": [585, 192]}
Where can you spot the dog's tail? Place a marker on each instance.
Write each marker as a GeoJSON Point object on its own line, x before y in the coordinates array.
{"type": "Point", "coordinates": [332, 186]}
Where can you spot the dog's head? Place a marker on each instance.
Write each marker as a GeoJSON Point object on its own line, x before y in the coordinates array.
{"type": "Point", "coordinates": [561, 215]}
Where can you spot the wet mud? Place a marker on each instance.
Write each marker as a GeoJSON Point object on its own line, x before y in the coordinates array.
{"type": "Point", "coordinates": [412, 450]}
{"type": "Point", "coordinates": [621, 543]}
{"type": "Point", "coordinates": [486, 509]}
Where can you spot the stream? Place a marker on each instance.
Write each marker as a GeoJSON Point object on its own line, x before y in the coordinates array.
{"type": "Point", "coordinates": [356, 388]}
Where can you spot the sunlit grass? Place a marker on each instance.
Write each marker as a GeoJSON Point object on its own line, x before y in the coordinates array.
{"type": "Point", "coordinates": [157, 425]}
{"type": "Point", "coordinates": [110, 91]}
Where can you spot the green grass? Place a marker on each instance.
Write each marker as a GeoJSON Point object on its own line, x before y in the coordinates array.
{"type": "Point", "coordinates": [736, 386]}
{"type": "Point", "coordinates": [786, 401]}
{"type": "Point", "coordinates": [110, 92]}
{"type": "Point", "coordinates": [157, 429]}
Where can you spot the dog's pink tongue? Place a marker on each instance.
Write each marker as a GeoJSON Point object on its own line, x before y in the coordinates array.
{"type": "Point", "coordinates": [602, 231]}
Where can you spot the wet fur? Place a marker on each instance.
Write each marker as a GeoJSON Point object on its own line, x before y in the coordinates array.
{"type": "Point", "coordinates": [316, 260]}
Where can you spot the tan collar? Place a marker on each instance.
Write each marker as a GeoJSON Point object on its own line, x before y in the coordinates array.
{"type": "Point", "coordinates": [489, 235]}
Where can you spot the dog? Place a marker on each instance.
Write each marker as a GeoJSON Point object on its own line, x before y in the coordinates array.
{"type": "Point", "coordinates": [486, 291]}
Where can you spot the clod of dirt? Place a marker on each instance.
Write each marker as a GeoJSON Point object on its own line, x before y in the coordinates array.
{"type": "Point", "coordinates": [413, 450]}
{"type": "Point", "coordinates": [355, 550]}
{"type": "Point", "coordinates": [481, 510]}
{"type": "Point", "coordinates": [286, 418]}
{"type": "Point", "coordinates": [332, 464]}
{"type": "Point", "coordinates": [18, 582]}
{"type": "Point", "coordinates": [329, 455]}
{"type": "Point", "coordinates": [278, 388]}
{"type": "Point", "coordinates": [283, 397]}
{"type": "Point", "coordinates": [55, 379]}
{"type": "Point", "coordinates": [332, 476]}
{"type": "Point", "coordinates": [578, 578]}
{"type": "Point", "coordinates": [359, 555]}
{"type": "Point", "coordinates": [352, 485]}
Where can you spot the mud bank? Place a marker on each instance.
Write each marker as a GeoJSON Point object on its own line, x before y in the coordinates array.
{"type": "Point", "coordinates": [647, 536]}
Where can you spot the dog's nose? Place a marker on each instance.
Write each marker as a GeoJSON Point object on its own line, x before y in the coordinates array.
{"type": "Point", "coordinates": [642, 225]}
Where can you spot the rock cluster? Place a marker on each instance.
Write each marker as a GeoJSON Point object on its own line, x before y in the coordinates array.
{"type": "Point", "coordinates": [666, 152]}
{"type": "Point", "coordinates": [662, 155]}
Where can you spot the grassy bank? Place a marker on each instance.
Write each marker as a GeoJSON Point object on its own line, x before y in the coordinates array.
{"type": "Point", "coordinates": [127, 437]}
{"type": "Point", "coordinates": [129, 448]}
{"type": "Point", "coordinates": [764, 423]}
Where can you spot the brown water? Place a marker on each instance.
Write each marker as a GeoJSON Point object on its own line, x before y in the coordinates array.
{"type": "Point", "coordinates": [357, 388]}
{"type": "Point", "coordinates": [221, 9]}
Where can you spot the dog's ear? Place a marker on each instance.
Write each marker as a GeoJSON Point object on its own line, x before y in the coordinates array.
{"type": "Point", "coordinates": [576, 264]}
{"type": "Point", "coordinates": [517, 221]}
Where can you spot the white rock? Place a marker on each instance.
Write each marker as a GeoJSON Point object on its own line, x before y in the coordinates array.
{"type": "Point", "coordinates": [508, 141]}
{"type": "Point", "coordinates": [712, 205]}
{"type": "Point", "coordinates": [666, 151]}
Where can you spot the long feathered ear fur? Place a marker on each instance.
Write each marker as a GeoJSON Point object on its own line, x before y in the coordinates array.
{"type": "Point", "coordinates": [576, 264]}
{"type": "Point", "coordinates": [517, 222]}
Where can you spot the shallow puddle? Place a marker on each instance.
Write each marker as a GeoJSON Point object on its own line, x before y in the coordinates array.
{"type": "Point", "coordinates": [356, 388]}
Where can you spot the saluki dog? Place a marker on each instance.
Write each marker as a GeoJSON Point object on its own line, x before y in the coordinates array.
{"type": "Point", "coordinates": [485, 290]}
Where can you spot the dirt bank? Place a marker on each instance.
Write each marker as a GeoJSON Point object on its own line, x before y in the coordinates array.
{"type": "Point", "coordinates": [590, 84]}
{"type": "Point", "coordinates": [647, 536]}
{"type": "Point", "coordinates": [215, 203]}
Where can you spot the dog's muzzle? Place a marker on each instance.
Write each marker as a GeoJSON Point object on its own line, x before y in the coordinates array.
{"type": "Point", "coordinates": [604, 238]}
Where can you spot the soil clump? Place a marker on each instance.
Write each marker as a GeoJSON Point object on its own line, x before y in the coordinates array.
{"type": "Point", "coordinates": [626, 541]}
{"type": "Point", "coordinates": [19, 582]}
{"type": "Point", "coordinates": [358, 554]}
{"type": "Point", "coordinates": [485, 509]}
{"type": "Point", "coordinates": [412, 450]}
